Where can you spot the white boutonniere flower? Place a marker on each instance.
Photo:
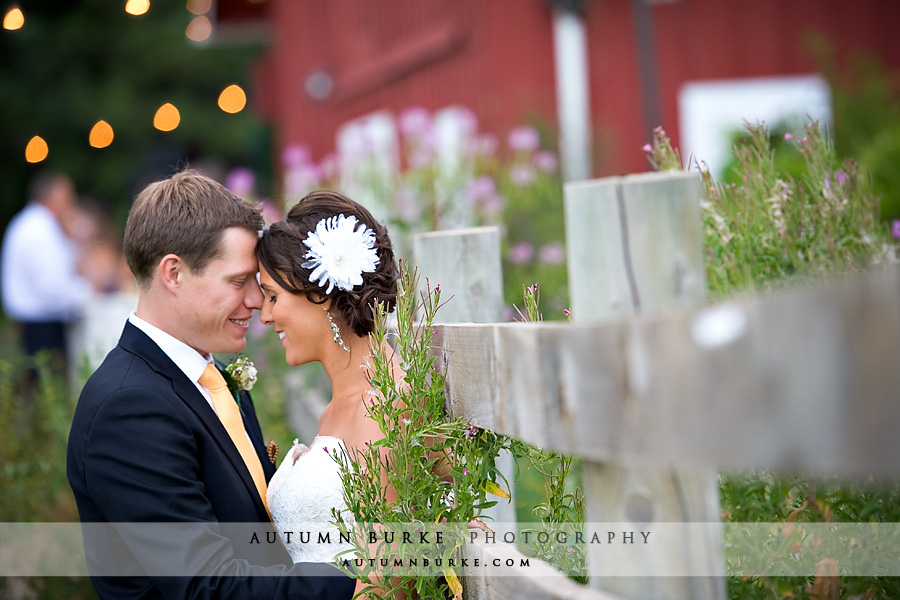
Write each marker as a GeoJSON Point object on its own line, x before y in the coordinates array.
{"type": "Point", "coordinates": [241, 374]}
{"type": "Point", "coordinates": [341, 249]}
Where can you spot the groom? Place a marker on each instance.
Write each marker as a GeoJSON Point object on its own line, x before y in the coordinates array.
{"type": "Point", "coordinates": [148, 443]}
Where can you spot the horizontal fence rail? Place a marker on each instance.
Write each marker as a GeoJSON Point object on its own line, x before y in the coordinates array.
{"type": "Point", "coordinates": [807, 379]}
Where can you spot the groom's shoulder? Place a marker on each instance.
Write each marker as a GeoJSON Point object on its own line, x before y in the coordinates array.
{"type": "Point", "coordinates": [124, 367]}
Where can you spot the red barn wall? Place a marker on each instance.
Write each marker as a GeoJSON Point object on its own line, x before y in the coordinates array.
{"type": "Point", "coordinates": [496, 57]}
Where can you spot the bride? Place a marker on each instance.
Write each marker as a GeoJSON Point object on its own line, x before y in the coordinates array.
{"type": "Point", "coordinates": [321, 270]}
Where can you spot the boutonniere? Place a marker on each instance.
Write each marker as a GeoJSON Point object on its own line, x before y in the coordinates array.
{"type": "Point", "coordinates": [239, 375]}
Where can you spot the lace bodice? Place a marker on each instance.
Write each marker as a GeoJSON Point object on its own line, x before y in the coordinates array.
{"type": "Point", "coordinates": [301, 495]}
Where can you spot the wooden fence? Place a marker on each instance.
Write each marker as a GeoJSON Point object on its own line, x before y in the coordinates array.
{"type": "Point", "coordinates": [654, 389]}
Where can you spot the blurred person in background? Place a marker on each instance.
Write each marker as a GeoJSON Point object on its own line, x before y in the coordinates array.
{"type": "Point", "coordinates": [42, 290]}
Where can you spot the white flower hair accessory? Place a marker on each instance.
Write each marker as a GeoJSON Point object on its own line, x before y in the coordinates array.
{"type": "Point", "coordinates": [340, 252]}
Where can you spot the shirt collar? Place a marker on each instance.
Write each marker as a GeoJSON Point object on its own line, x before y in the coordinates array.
{"type": "Point", "coordinates": [191, 362]}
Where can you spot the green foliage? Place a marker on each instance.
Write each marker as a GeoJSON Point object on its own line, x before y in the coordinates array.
{"type": "Point", "coordinates": [561, 513]}
{"type": "Point", "coordinates": [761, 497]}
{"type": "Point", "coordinates": [866, 98]}
{"type": "Point", "coordinates": [441, 469]}
{"type": "Point", "coordinates": [75, 63]}
{"type": "Point", "coordinates": [770, 227]}
{"type": "Point", "coordinates": [33, 485]}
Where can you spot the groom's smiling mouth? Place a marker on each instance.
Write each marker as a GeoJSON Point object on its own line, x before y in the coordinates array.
{"type": "Point", "coordinates": [241, 322]}
{"type": "Point", "coordinates": [280, 335]}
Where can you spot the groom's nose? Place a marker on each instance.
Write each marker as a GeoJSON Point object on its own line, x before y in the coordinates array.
{"type": "Point", "coordinates": [254, 296]}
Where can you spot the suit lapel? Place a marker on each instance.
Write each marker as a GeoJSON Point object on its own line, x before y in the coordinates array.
{"type": "Point", "coordinates": [137, 342]}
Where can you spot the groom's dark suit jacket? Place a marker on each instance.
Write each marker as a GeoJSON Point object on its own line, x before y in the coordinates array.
{"type": "Point", "coordinates": [146, 447]}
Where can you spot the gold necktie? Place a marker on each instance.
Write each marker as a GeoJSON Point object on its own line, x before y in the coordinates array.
{"type": "Point", "coordinates": [230, 415]}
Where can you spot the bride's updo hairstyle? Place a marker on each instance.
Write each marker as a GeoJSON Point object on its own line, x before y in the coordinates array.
{"type": "Point", "coordinates": [281, 252]}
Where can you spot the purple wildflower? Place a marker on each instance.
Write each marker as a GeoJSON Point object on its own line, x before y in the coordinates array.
{"type": "Point", "coordinates": [485, 144]}
{"type": "Point", "coordinates": [545, 161]}
{"type": "Point", "coordinates": [523, 138]}
{"type": "Point", "coordinates": [482, 191]}
{"type": "Point", "coordinates": [414, 121]}
{"type": "Point", "coordinates": [895, 228]}
{"type": "Point", "coordinates": [240, 181]}
{"type": "Point", "coordinates": [840, 176]}
{"type": "Point", "coordinates": [522, 175]}
{"type": "Point", "coordinates": [465, 471]}
{"type": "Point", "coordinates": [788, 136]}
{"type": "Point", "coordinates": [800, 254]}
{"type": "Point", "coordinates": [570, 550]}
{"type": "Point", "coordinates": [647, 148]}
{"type": "Point", "coordinates": [407, 204]}
{"type": "Point", "coordinates": [295, 155]}
{"type": "Point", "coordinates": [521, 252]}
{"type": "Point", "coordinates": [325, 448]}
{"type": "Point", "coordinates": [567, 312]}
{"type": "Point", "coordinates": [552, 254]}
{"type": "Point", "coordinates": [827, 182]}
{"type": "Point", "coordinates": [329, 166]}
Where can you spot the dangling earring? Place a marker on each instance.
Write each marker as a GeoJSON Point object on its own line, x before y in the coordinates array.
{"type": "Point", "coordinates": [337, 332]}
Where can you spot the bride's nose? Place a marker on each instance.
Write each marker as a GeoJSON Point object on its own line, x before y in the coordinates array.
{"type": "Point", "coordinates": [265, 314]}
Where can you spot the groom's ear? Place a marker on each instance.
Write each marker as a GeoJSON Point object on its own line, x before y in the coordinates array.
{"type": "Point", "coordinates": [171, 271]}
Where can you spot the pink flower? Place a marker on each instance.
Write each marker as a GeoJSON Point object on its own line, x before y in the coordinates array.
{"type": "Point", "coordinates": [788, 136]}
{"type": "Point", "coordinates": [482, 192]}
{"type": "Point", "coordinates": [840, 176]}
{"type": "Point", "coordinates": [485, 145]}
{"type": "Point", "coordinates": [521, 252]}
{"type": "Point", "coordinates": [523, 138]}
{"type": "Point", "coordinates": [414, 121]}
{"type": "Point", "coordinates": [465, 471]}
{"type": "Point", "coordinates": [648, 148]}
{"type": "Point", "coordinates": [895, 228]}
{"type": "Point", "coordinates": [407, 204]}
{"type": "Point", "coordinates": [329, 166]}
{"type": "Point", "coordinates": [240, 181]}
{"type": "Point", "coordinates": [468, 121]}
{"type": "Point", "coordinates": [295, 155]}
{"type": "Point", "coordinates": [545, 161]}
{"type": "Point", "coordinates": [522, 175]}
{"type": "Point", "coordinates": [552, 254]}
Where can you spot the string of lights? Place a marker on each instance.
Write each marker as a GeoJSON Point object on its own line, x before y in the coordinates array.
{"type": "Point", "coordinates": [231, 100]}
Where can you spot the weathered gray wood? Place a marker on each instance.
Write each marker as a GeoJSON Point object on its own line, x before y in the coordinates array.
{"type": "Point", "coordinates": [466, 263]}
{"type": "Point", "coordinates": [538, 581]}
{"type": "Point", "coordinates": [646, 232]}
{"type": "Point", "coordinates": [635, 244]}
{"type": "Point", "coordinates": [805, 379]}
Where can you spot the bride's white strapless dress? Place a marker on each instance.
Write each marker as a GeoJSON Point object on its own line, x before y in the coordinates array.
{"type": "Point", "coordinates": [301, 495]}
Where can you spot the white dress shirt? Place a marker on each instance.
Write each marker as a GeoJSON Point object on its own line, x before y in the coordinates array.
{"type": "Point", "coordinates": [39, 280]}
{"type": "Point", "coordinates": [191, 362]}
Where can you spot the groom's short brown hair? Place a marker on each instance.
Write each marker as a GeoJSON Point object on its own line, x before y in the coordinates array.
{"type": "Point", "coordinates": [184, 215]}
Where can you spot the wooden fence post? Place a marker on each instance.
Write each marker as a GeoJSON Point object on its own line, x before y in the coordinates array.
{"type": "Point", "coordinates": [635, 245]}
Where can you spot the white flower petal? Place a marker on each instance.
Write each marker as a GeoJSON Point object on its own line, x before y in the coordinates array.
{"type": "Point", "coordinates": [340, 252]}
